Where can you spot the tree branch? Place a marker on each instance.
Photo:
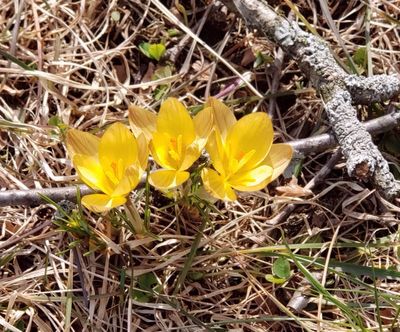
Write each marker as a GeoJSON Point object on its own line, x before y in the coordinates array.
{"type": "Point", "coordinates": [32, 197]}
{"type": "Point", "coordinates": [339, 90]}
{"type": "Point", "coordinates": [327, 141]}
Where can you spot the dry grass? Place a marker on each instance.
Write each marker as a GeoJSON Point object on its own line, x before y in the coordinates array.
{"type": "Point", "coordinates": [85, 68]}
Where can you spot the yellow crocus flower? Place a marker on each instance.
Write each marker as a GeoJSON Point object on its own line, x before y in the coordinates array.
{"type": "Point", "coordinates": [175, 139]}
{"type": "Point", "coordinates": [112, 164]}
{"type": "Point", "coordinates": [242, 153]}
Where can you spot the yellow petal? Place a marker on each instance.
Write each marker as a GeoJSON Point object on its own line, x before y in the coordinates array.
{"type": "Point", "coordinates": [278, 158]}
{"type": "Point", "coordinates": [251, 180]}
{"type": "Point", "coordinates": [216, 150]}
{"type": "Point", "coordinates": [252, 132]}
{"type": "Point", "coordinates": [216, 185]}
{"type": "Point", "coordinates": [128, 182]}
{"type": "Point", "coordinates": [167, 179]}
{"type": "Point", "coordinates": [235, 165]}
{"type": "Point", "coordinates": [191, 154]}
{"type": "Point", "coordinates": [223, 116]}
{"type": "Point", "coordinates": [117, 151]}
{"type": "Point", "coordinates": [203, 123]}
{"type": "Point", "coordinates": [174, 120]}
{"type": "Point", "coordinates": [91, 172]}
{"type": "Point", "coordinates": [80, 142]}
{"type": "Point", "coordinates": [142, 121]}
{"type": "Point", "coordinates": [143, 151]}
{"type": "Point", "coordinates": [160, 148]}
{"type": "Point", "coordinates": [101, 203]}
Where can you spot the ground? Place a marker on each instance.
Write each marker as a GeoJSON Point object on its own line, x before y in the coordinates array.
{"type": "Point", "coordinates": [280, 259]}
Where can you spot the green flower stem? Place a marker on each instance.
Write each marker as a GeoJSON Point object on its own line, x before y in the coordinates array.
{"type": "Point", "coordinates": [133, 215]}
{"type": "Point", "coordinates": [193, 250]}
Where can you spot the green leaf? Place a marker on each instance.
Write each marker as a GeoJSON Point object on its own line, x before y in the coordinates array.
{"type": "Point", "coordinates": [173, 32]}
{"type": "Point", "coordinates": [353, 318]}
{"type": "Point", "coordinates": [15, 60]}
{"type": "Point", "coordinates": [360, 56]}
{"type": "Point", "coordinates": [6, 258]}
{"type": "Point", "coordinates": [148, 284]}
{"type": "Point", "coordinates": [161, 90]}
{"type": "Point", "coordinates": [359, 60]}
{"type": "Point", "coordinates": [262, 59]}
{"type": "Point", "coordinates": [56, 121]}
{"type": "Point", "coordinates": [281, 268]}
{"type": "Point", "coordinates": [148, 281]}
{"type": "Point", "coordinates": [140, 296]}
{"type": "Point", "coordinates": [162, 72]}
{"type": "Point", "coordinates": [152, 51]}
{"type": "Point", "coordinates": [274, 280]}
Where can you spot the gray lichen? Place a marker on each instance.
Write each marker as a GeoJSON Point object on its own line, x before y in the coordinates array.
{"type": "Point", "coordinates": [368, 90]}
{"type": "Point", "coordinates": [355, 141]}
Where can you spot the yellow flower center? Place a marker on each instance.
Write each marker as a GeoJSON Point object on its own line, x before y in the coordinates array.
{"type": "Point", "coordinates": [175, 148]}
{"type": "Point", "coordinates": [240, 155]}
{"type": "Point", "coordinates": [114, 166]}
{"type": "Point", "coordinates": [116, 171]}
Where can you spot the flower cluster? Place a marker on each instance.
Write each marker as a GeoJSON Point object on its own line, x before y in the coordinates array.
{"type": "Point", "coordinates": [242, 156]}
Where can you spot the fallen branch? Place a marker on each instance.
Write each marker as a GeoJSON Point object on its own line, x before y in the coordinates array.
{"type": "Point", "coordinates": [304, 146]}
{"type": "Point", "coordinates": [339, 90]}
{"type": "Point", "coordinates": [33, 197]}
{"type": "Point", "coordinates": [327, 141]}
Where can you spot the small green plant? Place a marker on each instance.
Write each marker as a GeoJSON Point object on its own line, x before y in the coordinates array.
{"type": "Point", "coordinates": [152, 51]}
{"type": "Point", "coordinates": [160, 73]}
{"type": "Point", "coordinates": [147, 287]}
{"type": "Point", "coordinates": [69, 218]}
{"type": "Point", "coordinates": [262, 59]}
{"type": "Point", "coordinates": [280, 271]}
{"type": "Point", "coordinates": [56, 121]}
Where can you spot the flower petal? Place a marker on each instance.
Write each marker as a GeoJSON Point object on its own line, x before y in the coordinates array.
{"type": "Point", "coordinates": [223, 116]}
{"type": "Point", "coordinates": [217, 185]}
{"type": "Point", "coordinates": [203, 123]}
{"type": "Point", "coordinates": [143, 151]}
{"type": "Point", "coordinates": [216, 150]}
{"type": "Point", "coordinates": [80, 142]}
{"type": "Point", "coordinates": [102, 203]}
{"type": "Point", "coordinates": [91, 172]}
{"type": "Point", "coordinates": [167, 179]}
{"type": "Point", "coordinates": [251, 180]}
{"type": "Point", "coordinates": [278, 158]}
{"type": "Point", "coordinates": [175, 120]}
{"type": "Point", "coordinates": [160, 148]}
{"type": "Point", "coordinates": [142, 121]}
{"type": "Point", "coordinates": [128, 182]}
{"type": "Point", "coordinates": [252, 132]}
{"type": "Point", "coordinates": [191, 154]}
{"type": "Point", "coordinates": [117, 151]}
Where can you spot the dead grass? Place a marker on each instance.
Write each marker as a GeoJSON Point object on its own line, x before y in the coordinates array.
{"type": "Point", "coordinates": [83, 66]}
